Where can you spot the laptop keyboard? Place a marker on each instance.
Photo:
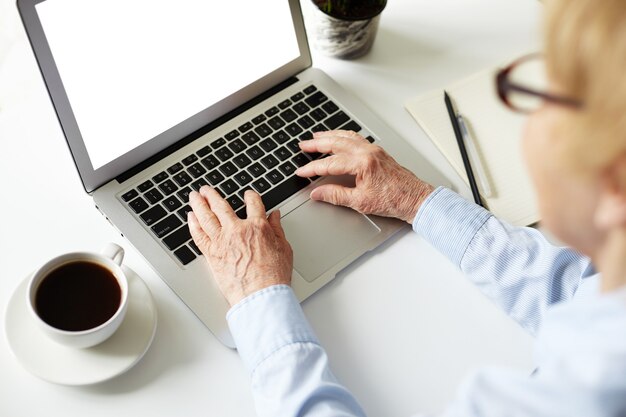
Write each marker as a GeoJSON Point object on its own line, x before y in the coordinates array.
{"type": "Point", "coordinates": [262, 154]}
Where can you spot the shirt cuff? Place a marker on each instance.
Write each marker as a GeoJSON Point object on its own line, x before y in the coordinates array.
{"type": "Point", "coordinates": [449, 222]}
{"type": "Point", "coordinates": [267, 321]}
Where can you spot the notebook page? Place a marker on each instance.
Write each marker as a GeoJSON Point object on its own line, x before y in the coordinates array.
{"type": "Point", "coordinates": [497, 132]}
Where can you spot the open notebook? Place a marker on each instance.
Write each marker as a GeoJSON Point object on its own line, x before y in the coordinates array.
{"type": "Point", "coordinates": [497, 132]}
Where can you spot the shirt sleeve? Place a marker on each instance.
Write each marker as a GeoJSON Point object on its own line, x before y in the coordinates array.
{"type": "Point", "coordinates": [516, 267]}
{"type": "Point", "coordinates": [289, 369]}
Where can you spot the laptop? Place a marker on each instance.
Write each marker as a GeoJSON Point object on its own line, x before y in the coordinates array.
{"type": "Point", "coordinates": [157, 98]}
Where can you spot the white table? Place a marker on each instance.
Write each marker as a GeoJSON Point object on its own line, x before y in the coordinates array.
{"type": "Point", "coordinates": [401, 325]}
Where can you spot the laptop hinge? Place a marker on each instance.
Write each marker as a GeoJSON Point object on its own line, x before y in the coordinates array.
{"type": "Point", "coordinates": [205, 129]}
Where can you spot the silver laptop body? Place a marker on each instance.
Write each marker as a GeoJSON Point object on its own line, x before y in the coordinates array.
{"type": "Point", "coordinates": [325, 239]}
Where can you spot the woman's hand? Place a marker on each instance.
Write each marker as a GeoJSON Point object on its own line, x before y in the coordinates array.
{"type": "Point", "coordinates": [245, 256]}
{"type": "Point", "coordinates": [383, 187]}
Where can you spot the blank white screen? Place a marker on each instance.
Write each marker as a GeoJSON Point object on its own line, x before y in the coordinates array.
{"type": "Point", "coordinates": [133, 69]}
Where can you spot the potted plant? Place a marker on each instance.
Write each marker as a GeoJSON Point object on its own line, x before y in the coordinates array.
{"type": "Point", "coordinates": [344, 28]}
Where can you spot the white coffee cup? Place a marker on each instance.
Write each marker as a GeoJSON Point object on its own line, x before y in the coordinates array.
{"type": "Point", "coordinates": [109, 259]}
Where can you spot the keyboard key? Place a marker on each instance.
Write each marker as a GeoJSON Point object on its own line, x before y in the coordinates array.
{"type": "Point", "coordinates": [153, 196]}
{"type": "Point", "coordinates": [161, 176]}
{"type": "Point", "coordinates": [224, 154]}
{"type": "Point", "coordinates": [284, 104]}
{"type": "Point", "coordinates": [203, 151]}
{"type": "Point", "coordinates": [255, 152]}
{"type": "Point", "coordinates": [352, 125]}
{"type": "Point", "coordinates": [301, 108]}
{"type": "Point", "coordinates": [245, 127]}
{"type": "Point", "coordinates": [242, 161]}
{"type": "Point", "coordinates": [333, 122]}
{"type": "Point", "coordinates": [319, 128]}
{"type": "Point", "coordinates": [184, 255]}
{"type": "Point", "coordinates": [166, 226]}
{"type": "Point", "coordinates": [330, 107]}
{"type": "Point", "coordinates": [138, 205]}
{"type": "Point", "coordinates": [182, 178]}
{"type": "Point", "coordinates": [172, 203]}
{"type": "Point", "coordinates": [231, 135]}
{"type": "Point", "coordinates": [370, 139]}
{"type": "Point", "coordinates": [260, 118]}
{"type": "Point", "coordinates": [195, 248]}
{"type": "Point", "coordinates": [272, 111]}
{"type": "Point", "coordinates": [235, 202]}
{"type": "Point", "coordinates": [316, 99]}
{"type": "Point", "coordinates": [145, 186]}
{"type": "Point", "coordinates": [296, 97]}
{"type": "Point", "coordinates": [293, 129]}
{"type": "Point", "coordinates": [294, 146]}
{"type": "Point", "coordinates": [263, 130]}
{"type": "Point", "coordinates": [228, 169]}
{"type": "Point", "coordinates": [310, 89]}
{"type": "Point", "coordinates": [289, 115]}
{"type": "Point", "coordinates": [300, 160]}
{"type": "Point", "coordinates": [177, 238]}
{"type": "Point", "coordinates": [287, 168]}
{"type": "Point", "coordinates": [190, 160]}
{"type": "Point", "coordinates": [182, 213]}
{"type": "Point", "coordinates": [168, 187]}
{"type": "Point", "coordinates": [306, 135]}
{"type": "Point", "coordinates": [276, 122]}
{"type": "Point", "coordinates": [275, 177]}
{"type": "Point", "coordinates": [269, 161]}
{"type": "Point", "coordinates": [196, 185]}
{"type": "Point", "coordinates": [218, 143]}
{"type": "Point", "coordinates": [282, 153]}
{"type": "Point", "coordinates": [184, 194]}
{"type": "Point", "coordinates": [306, 122]}
{"type": "Point", "coordinates": [237, 146]}
{"type": "Point", "coordinates": [243, 178]}
{"type": "Point", "coordinates": [261, 185]}
{"type": "Point", "coordinates": [250, 138]}
{"type": "Point", "coordinates": [196, 170]}
{"type": "Point", "coordinates": [256, 169]}
{"type": "Point", "coordinates": [214, 177]}
{"type": "Point", "coordinates": [228, 187]}
{"type": "Point", "coordinates": [313, 155]}
{"type": "Point", "coordinates": [210, 162]}
{"type": "Point", "coordinates": [129, 195]}
{"type": "Point", "coordinates": [268, 145]}
{"type": "Point", "coordinates": [153, 215]}
{"type": "Point", "coordinates": [175, 168]}
{"type": "Point", "coordinates": [281, 137]}
{"type": "Point", "coordinates": [318, 114]}
{"type": "Point", "coordinates": [280, 193]}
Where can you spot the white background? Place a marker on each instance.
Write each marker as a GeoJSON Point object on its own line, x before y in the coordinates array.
{"type": "Point", "coordinates": [402, 326]}
{"type": "Point", "coordinates": [133, 69]}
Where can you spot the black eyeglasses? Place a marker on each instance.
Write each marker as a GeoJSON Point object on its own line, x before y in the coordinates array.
{"type": "Point", "coordinates": [522, 86]}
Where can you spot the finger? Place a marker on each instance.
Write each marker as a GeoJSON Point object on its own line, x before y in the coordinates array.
{"type": "Point", "coordinates": [274, 220]}
{"type": "Point", "coordinates": [335, 194]}
{"type": "Point", "coordinates": [201, 239]}
{"type": "Point", "coordinates": [331, 165]}
{"type": "Point", "coordinates": [254, 205]}
{"type": "Point", "coordinates": [330, 143]}
{"type": "Point", "coordinates": [223, 211]}
{"type": "Point", "coordinates": [204, 215]}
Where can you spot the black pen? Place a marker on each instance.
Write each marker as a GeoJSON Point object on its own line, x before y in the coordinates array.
{"type": "Point", "coordinates": [459, 140]}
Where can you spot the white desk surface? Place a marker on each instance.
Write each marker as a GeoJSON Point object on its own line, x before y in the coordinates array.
{"type": "Point", "coordinates": [401, 325]}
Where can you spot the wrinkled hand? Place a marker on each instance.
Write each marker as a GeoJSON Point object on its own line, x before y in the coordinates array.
{"type": "Point", "coordinates": [383, 187]}
{"type": "Point", "coordinates": [245, 256]}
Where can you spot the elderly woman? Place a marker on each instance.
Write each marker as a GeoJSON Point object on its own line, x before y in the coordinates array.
{"type": "Point", "coordinates": [575, 148]}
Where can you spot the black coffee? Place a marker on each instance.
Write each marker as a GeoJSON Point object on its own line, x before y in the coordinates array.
{"type": "Point", "coordinates": [78, 296]}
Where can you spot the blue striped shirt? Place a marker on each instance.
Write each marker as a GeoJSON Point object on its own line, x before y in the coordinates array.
{"type": "Point", "coordinates": [580, 344]}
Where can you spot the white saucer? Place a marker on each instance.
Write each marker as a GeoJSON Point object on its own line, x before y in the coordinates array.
{"type": "Point", "coordinates": [70, 366]}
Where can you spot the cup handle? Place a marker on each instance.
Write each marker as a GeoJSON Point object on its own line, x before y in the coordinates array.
{"type": "Point", "coordinates": [114, 252]}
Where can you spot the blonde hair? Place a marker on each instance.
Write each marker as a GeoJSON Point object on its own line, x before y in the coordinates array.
{"type": "Point", "coordinates": [585, 47]}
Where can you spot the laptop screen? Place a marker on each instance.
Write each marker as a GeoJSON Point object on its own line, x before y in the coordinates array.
{"type": "Point", "coordinates": [134, 69]}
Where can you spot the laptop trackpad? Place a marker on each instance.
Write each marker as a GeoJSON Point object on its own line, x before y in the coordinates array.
{"type": "Point", "coordinates": [321, 235]}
